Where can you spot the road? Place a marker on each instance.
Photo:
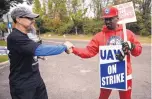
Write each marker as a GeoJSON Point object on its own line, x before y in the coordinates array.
{"type": "Point", "coordinates": [70, 77]}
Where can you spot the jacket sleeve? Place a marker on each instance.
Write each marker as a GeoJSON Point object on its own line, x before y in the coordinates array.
{"type": "Point", "coordinates": [138, 48]}
{"type": "Point", "coordinates": [48, 50]}
{"type": "Point", "coordinates": [91, 49]}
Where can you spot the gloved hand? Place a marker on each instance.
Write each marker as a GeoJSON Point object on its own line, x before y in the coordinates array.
{"type": "Point", "coordinates": [127, 47]}
{"type": "Point", "coordinates": [120, 56]}
{"type": "Point", "coordinates": [69, 46]}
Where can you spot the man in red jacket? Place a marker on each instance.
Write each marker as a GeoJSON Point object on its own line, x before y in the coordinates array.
{"type": "Point", "coordinates": [112, 34]}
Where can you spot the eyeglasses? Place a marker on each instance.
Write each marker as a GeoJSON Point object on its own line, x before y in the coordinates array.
{"type": "Point", "coordinates": [31, 19]}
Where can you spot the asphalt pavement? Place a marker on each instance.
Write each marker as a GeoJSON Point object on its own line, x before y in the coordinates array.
{"type": "Point", "coordinates": [70, 77]}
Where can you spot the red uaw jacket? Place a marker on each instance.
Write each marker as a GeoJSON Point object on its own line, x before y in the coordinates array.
{"type": "Point", "coordinates": [110, 37]}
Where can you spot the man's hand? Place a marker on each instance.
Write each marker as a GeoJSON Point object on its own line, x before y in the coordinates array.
{"type": "Point", "coordinates": [69, 46]}
{"type": "Point", "coordinates": [69, 51]}
{"type": "Point", "coordinates": [127, 47]}
{"type": "Point", "coordinates": [42, 57]}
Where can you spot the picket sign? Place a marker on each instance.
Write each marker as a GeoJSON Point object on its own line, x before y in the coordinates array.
{"type": "Point", "coordinates": [113, 72]}
{"type": "Point", "coordinates": [126, 14]}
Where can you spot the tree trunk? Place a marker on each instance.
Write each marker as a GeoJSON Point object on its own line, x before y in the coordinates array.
{"type": "Point", "coordinates": [76, 30]}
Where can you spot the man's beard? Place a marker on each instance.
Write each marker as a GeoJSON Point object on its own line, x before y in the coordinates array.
{"type": "Point", "coordinates": [29, 28]}
{"type": "Point", "coordinates": [110, 26]}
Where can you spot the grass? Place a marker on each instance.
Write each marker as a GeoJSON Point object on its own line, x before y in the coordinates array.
{"type": "Point", "coordinates": [144, 39]}
{"type": "Point", "coordinates": [2, 43]}
{"type": "Point", "coordinates": [88, 37]}
{"type": "Point", "coordinates": [3, 58]}
{"type": "Point", "coordinates": [67, 36]}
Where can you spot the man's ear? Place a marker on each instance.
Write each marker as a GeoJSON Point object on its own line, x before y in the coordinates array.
{"type": "Point", "coordinates": [117, 17]}
{"type": "Point", "coordinates": [18, 20]}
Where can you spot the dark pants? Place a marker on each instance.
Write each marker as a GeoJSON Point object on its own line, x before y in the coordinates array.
{"type": "Point", "coordinates": [32, 93]}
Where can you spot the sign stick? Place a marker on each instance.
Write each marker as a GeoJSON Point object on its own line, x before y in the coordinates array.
{"type": "Point", "coordinates": [125, 39]}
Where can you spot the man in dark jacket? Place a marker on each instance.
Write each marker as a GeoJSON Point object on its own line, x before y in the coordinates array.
{"type": "Point", "coordinates": [25, 79]}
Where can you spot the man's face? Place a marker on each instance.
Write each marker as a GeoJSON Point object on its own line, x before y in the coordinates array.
{"type": "Point", "coordinates": [26, 22]}
{"type": "Point", "coordinates": [111, 23]}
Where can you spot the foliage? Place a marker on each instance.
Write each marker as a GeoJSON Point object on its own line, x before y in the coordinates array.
{"type": "Point", "coordinates": [40, 25]}
{"type": "Point", "coordinates": [77, 19]}
{"type": "Point", "coordinates": [37, 7]}
{"type": "Point", "coordinates": [50, 8]}
{"type": "Point", "coordinates": [57, 9]}
{"type": "Point", "coordinates": [3, 27]}
{"type": "Point", "coordinates": [97, 8]}
{"type": "Point", "coordinates": [44, 9]}
{"type": "Point", "coordinates": [65, 28]}
{"type": "Point", "coordinates": [142, 26]}
{"type": "Point", "coordinates": [92, 26]}
{"type": "Point", "coordinates": [69, 16]}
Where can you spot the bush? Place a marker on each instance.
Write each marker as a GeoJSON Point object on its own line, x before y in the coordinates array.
{"type": "Point", "coordinates": [134, 27]}
{"type": "Point", "coordinates": [92, 26]}
{"type": "Point", "coordinates": [65, 28]}
{"type": "Point", "coordinates": [142, 26]}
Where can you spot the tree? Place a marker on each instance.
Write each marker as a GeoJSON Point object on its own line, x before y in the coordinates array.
{"type": "Point", "coordinates": [44, 8]}
{"type": "Point", "coordinates": [98, 5]}
{"type": "Point", "coordinates": [144, 10]}
{"type": "Point", "coordinates": [77, 14]}
{"type": "Point", "coordinates": [60, 10]}
{"type": "Point", "coordinates": [6, 4]}
{"type": "Point", "coordinates": [37, 7]}
{"type": "Point", "coordinates": [77, 19]}
{"type": "Point", "coordinates": [50, 8]}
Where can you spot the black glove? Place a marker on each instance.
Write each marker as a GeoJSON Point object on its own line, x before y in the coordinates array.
{"type": "Point", "coordinates": [127, 47]}
{"type": "Point", "coordinates": [120, 56]}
